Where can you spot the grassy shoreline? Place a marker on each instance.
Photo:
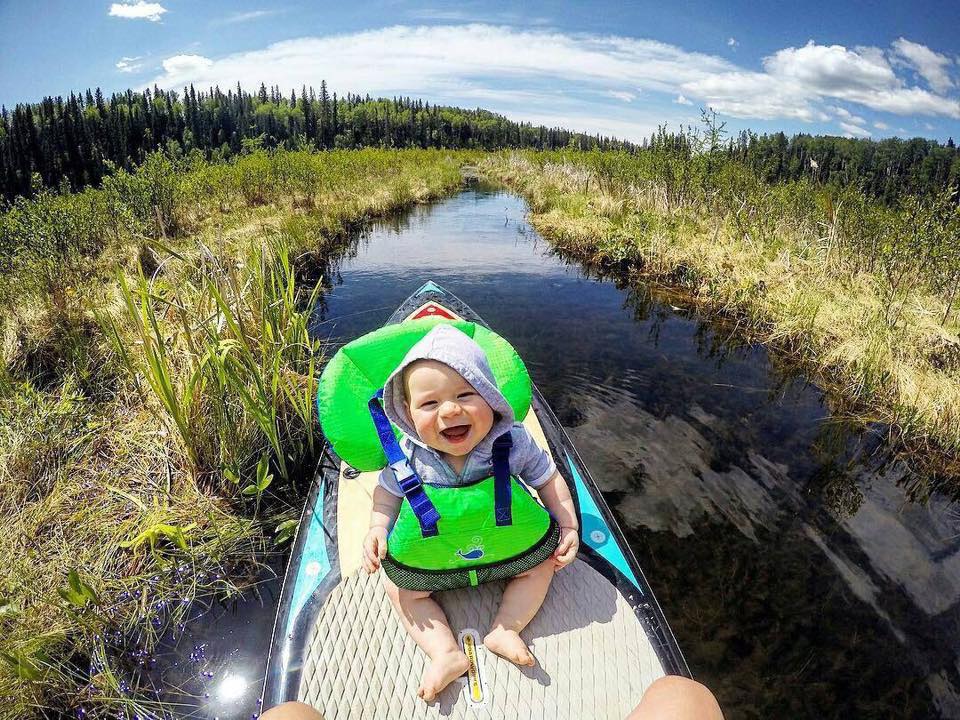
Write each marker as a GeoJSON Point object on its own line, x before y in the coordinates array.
{"type": "Point", "coordinates": [777, 263]}
{"type": "Point", "coordinates": [156, 386]}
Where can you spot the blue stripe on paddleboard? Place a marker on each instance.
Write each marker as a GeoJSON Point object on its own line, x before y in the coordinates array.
{"type": "Point", "coordinates": [314, 563]}
{"type": "Point", "coordinates": [595, 531]}
{"type": "Point", "coordinates": [427, 287]}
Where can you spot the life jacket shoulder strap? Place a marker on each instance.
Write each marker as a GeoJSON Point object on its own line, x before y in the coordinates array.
{"type": "Point", "coordinates": [410, 483]}
{"type": "Point", "coordinates": [501, 474]}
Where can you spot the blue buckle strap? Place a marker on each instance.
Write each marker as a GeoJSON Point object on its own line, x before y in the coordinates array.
{"type": "Point", "coordinates": [501, 479]}
{"type": "Point", "coordinates": [407, 478]}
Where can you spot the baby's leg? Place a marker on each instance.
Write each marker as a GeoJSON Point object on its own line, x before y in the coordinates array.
{"type": "Point", "coordinates": [424, 620]}
{"type": "Point", "coordinates": [522, 599]}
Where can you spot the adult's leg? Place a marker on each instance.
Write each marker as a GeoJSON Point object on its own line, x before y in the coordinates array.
{"type": "Point", "coordinates": [677, 698]}
{"type": "Point", "coordinates": [291, 711]}
{"type": "Point", "coordinates": [522, 598]}
{"type": "Point", "coordinates": [425, 621]}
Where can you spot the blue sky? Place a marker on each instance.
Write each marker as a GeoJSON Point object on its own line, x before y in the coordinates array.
{"type": "Point", "coordinates": [622, 68]}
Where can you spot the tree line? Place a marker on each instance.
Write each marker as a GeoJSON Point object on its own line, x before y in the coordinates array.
{"type": "Point", "coordinates": [886, 170]}
{"type": "Point", "coordinates": [883, 169]}
{"type": "Point", "coordinates": [72, 143]}
{"type": "Point", "coordinates": [76, 142]}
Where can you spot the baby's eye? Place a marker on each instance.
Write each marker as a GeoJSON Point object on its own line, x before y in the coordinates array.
{"type": "Point", "coordinates": [428, 404]}
{"type": "Point", "coordinates": [466, 394]}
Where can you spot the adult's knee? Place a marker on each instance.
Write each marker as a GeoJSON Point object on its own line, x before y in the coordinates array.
{"type": "Point", "coordinates": [678, 698]}
{"type": "Point", "coordinates": [291, 711]}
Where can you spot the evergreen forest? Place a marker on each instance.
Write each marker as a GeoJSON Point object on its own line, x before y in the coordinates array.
{"type": "Point", "coordinates": [72, 143]}
{"type": "Point", "coordinates": [80, 140]}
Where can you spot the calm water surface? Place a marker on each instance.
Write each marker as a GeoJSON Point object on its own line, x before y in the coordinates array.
{"type": "Point", "coordinates": [797, 576]}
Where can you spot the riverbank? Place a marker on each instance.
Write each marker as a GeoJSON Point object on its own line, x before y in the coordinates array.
{"type": "Point", "coordinates": [156, 389]}
{"type": "Point", "coordinates": [840, 285]}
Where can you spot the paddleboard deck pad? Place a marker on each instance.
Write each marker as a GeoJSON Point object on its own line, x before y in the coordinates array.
{"type": "Point", "coordinates": [600, 638]}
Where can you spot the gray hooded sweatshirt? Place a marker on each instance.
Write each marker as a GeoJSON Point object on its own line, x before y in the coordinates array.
{"type": "Point", "coordinates": [450, 346]}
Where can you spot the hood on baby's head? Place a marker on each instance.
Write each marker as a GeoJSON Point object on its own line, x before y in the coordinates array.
{"type": "Point", "coordinates": [448, 345]}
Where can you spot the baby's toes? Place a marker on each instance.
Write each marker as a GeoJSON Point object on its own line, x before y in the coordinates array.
{"type": "Point", "coordinates": [510, 646]}
{"type": "Point", "coordinates": [441, 671]}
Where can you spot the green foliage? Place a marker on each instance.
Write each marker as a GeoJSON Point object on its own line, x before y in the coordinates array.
{"type": "Point", "coordinates": [26, 665]}
{"type": "Point", "coordinates": [263, 479]}
{"type": "Point", "coordinates": [243, 372]}
{"type": "Point", "coordinates": [284, 532]}
{"type": "Point", "coordinates": [146, 202]}
{"type": "Point", "coordinates": [158, 379]}
{"type": "Point", "coordinates": [175, 535]}
{"type": "Point", "coordinates": [78, 593]}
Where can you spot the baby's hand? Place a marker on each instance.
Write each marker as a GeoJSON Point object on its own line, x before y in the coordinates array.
{"type": "Point", "coordinates": [374, 548]}
{"type": "Point", "coordinates": [567, 549]}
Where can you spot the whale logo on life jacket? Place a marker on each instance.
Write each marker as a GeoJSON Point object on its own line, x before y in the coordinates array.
{"type": "Point", "coordinates": [474, 553]}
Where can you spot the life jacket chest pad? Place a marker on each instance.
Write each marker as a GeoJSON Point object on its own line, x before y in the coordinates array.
{"type": "Point", "coordinates": [469, 547]}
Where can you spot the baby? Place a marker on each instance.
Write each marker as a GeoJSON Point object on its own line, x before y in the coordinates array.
{"type": "Point", "coordinates": [445, 399]}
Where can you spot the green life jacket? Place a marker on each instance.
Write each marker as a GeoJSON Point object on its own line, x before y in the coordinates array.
{"type": "Point", "coordinates": [444, 537]}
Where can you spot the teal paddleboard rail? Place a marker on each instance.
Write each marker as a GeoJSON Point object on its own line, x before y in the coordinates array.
{"type": "Point", "coordinates": [314, 562]}
{"type": "Point", "coordinates": [595, 532]}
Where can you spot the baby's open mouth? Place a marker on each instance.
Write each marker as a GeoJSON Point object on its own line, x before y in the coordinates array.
{"type": "Point", "coordinates": [456, 433]}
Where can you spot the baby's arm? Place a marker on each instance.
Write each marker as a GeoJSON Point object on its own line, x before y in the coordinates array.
{"type": "Point", "coordinates": [538, 470]}
{"type": "Point", "coordinates": [556, 496]}
{"type": "Point", "coordinates": [386, 505]}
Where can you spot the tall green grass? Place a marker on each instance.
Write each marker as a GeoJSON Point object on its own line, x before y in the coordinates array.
{"type": "Point", "coordinates": [157, 383]}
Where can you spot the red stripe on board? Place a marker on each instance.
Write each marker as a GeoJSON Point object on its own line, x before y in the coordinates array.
{"type": "Point", "coordinates": [432, 310]}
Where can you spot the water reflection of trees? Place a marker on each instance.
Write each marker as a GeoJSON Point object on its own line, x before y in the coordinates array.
{"type": "Point", "coordinates": [775, 631]}
{"type": "Point", "coordinates": [846, 445]}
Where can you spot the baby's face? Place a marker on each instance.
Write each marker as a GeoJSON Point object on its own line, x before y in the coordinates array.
{"type": "Point", "coordinates": [448, 414]}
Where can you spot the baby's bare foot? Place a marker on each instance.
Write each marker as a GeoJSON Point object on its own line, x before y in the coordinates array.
{"type": "Point", "coordinates": [510, 646]}
{"type": "Point", "coordinates": [441, 671]}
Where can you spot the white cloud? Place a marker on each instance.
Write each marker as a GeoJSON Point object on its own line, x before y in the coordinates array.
{"type": "Point", "coordinates": [241, 17]}
{"type": "Point", "coordinates": [830, 68]}
{"type": "Point", "coordinates": [450, 15]}
{"type": "Point", "coordinates": [851, 130]}
{"type": "Point", "coordinates": [186, 66]}
{"type": "Point", "coordinates": [928, 126]}
{"type": "Point", "coordinates": [930, 65]}
{"type": "Point", "coordinates": [845, 114]}
{"type": "Point", "coordinates": [756, 95]}
{"type": "Point", "coordinates": [796, 79]}
{"type": "Point", "coordinates": [881, 125]}
{"type": "Point", "coordinates": [129, 64]}
{"type": "Point", "coordinates": [636, 128]}
{"type": "Point", "coordinates": [427, 60]}
{"type": "Point", "coordinates": [449, 63]}
{"type": "Point", "coordinates": [138, 11]}
{"type": "Point", "coordinates": [732, 42]}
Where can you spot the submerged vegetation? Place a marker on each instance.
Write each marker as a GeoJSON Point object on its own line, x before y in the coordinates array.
{"type": "Point", "coordinates": [156, 397]}
{"type": "Point", "coordinates": [865, 294]}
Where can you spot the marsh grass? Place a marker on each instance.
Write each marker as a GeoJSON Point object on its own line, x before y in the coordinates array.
{"type": "Point", "coordinates": [156, 397]}
{"type": "Point", "coordinates": [863, 295]}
